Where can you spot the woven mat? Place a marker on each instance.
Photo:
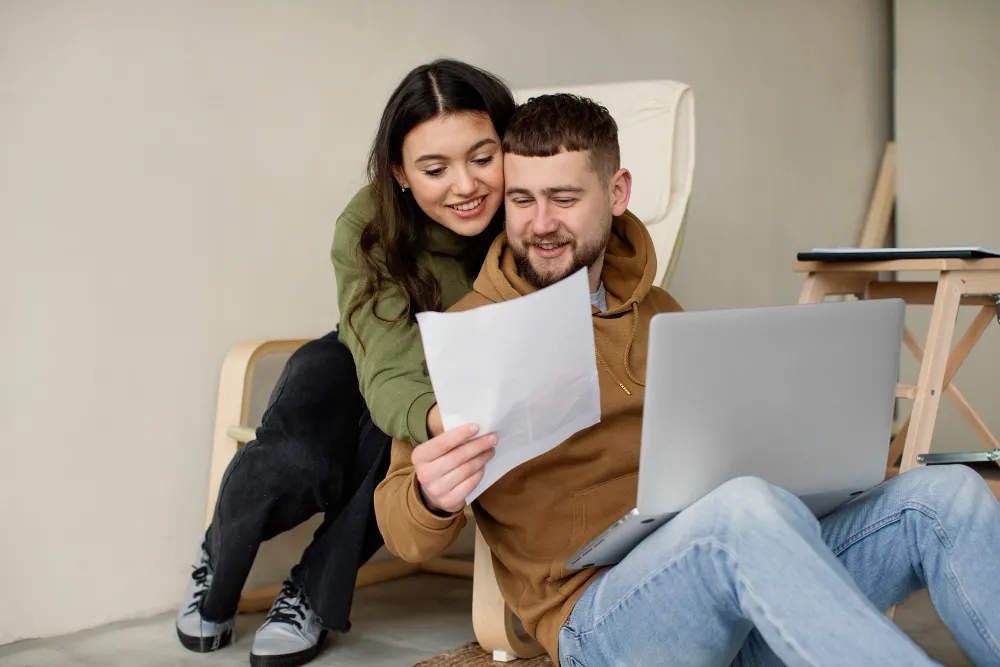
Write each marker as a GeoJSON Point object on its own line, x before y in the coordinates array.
{"type": "Point", "coordinates": [472, 655]}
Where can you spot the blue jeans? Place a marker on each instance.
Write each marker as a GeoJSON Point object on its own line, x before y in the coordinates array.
{"type": "Point", "coordinates": [748, 576]}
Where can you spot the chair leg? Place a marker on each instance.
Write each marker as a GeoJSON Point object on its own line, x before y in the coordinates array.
{"type": "Point", "coordinates": [492, 620]}
{"type": "Point", "coordinates": [449, 567]}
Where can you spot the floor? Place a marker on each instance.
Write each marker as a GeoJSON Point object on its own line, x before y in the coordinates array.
{"type": "Point", "coordinates": [398, 623]}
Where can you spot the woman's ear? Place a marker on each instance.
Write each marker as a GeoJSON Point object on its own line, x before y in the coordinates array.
{"type": "Point", "coordinates": [400, 177]}
{"type": "Point", "coordinates": [621, 191]}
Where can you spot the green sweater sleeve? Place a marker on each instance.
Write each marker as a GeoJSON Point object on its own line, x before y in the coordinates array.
{"type": "Point", "coordinates": [391, 369]}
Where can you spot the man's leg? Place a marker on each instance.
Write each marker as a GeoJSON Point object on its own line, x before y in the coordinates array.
{"type": "Point", "coordinates": [746, 555]}
{"type": "Point", "coordinates": [936, 527]}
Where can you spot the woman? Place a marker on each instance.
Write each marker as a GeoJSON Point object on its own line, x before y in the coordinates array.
{"type": "Point", "coordinates": [412, 240]}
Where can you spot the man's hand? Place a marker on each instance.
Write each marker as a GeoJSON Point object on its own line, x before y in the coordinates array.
{"type": "Point", "coordinates": [450, 466]}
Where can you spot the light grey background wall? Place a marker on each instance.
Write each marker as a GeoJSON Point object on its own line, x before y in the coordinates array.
{"type": "Point", "coordinates": [947, 113]}
{"type": "Point", "coordinates": [170, 173]}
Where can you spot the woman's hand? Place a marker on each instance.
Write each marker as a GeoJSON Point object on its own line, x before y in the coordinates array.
{"type": "Point", "coordinates": [449, 466]}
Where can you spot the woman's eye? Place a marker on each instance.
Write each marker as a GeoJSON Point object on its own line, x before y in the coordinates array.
{"type": "Point", "coordinates": [434, 173]}
{"type": "Point", "coordinates": [484, 160]}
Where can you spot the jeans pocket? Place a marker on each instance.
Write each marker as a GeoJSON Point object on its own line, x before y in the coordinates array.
{"type": "Point", "coordinates": [569, 643]}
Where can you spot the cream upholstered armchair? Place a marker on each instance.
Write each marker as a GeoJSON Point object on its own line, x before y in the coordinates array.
{"type": "Point", "coordinates": [656, 134]}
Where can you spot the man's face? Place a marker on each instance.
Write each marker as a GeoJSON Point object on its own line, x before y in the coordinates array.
{"type": "Point", "coordinates": [559, 213]}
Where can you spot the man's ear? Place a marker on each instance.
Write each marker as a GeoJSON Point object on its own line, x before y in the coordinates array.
{"type": "Point", "coordinates": [400, 177]}
{"type": "Point", "coordinates": [621, 191]}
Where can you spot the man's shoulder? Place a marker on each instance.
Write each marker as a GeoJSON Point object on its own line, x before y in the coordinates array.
{"type": "Point", "coordinates": [469, 301]}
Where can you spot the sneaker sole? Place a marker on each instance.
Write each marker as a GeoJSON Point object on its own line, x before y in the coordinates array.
{"type": "Point", "coordinates": [205, 644]}
{"type": "Point", "coordinates": [289, 659]}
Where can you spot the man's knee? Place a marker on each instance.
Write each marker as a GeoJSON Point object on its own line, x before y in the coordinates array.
{"type": "Point", "coordinates": [934, 485]}
{"type": "Point", "coordinates": [751, 493]}
{"type": "Point", "coordinates": [753, 504]}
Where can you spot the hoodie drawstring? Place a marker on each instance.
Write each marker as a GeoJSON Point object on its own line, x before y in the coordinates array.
{"type": "Point", "coordinates": [628, 349]}
{"type": "Point", "coordinates": [628, 346]}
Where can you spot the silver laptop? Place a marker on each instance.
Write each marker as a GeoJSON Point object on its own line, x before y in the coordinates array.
{"type": "Point", "coordinates": [801, 396]}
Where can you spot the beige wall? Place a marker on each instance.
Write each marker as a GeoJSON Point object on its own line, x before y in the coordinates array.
{"type": "Point", "coordinates": [169, 177]}
{"type": "Point", "coordinates": [947, 108]}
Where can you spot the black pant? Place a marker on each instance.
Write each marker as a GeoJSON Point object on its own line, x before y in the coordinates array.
{"type": "Point", "coordinates": [317, 450]}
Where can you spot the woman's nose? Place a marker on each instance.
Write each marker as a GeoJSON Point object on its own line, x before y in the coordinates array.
{"type": "Point", "coordinates": [465, 184]}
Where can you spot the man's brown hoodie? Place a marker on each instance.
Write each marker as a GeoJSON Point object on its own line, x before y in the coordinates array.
{"type": "Point", "coordinates": [540, 513]}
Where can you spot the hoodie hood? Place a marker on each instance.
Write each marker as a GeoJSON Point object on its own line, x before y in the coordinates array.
{"type": "Point", "coordinates": [629, 267]}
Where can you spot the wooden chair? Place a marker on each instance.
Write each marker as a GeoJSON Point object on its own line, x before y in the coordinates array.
{"type": "Point", "coordinates": [656, 135]}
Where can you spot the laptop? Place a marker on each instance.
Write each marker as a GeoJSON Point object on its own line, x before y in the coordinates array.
{"type": "Point", "coordinates": [801, 396]}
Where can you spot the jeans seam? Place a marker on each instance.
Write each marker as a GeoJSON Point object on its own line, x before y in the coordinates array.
{"type": "Point", "coordinates": [939, 531]}
{"type": "Point", "coordinates": [237, 460]}
{"type": "Point", "coordinates": [277, 392]}
{"type": "Point", "coordinates": [882, 523]}
{"type": "Point", "coordinates": [712, 542]}
{"type": "Point", "coordinates": [988, 639]}
{"type": "Point", "coordinates": [977, 622]}
{"type": "Point", "coordinates": [635, 589]}
{"type": "Point", "coordinates": [756, 598]}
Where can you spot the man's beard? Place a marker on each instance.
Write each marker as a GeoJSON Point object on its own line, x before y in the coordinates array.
{"type": "Point", "coordinates": [583, 257]}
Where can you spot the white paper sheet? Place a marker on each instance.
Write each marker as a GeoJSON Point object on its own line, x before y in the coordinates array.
{"type": "Point", "coordinates": [524, 369]}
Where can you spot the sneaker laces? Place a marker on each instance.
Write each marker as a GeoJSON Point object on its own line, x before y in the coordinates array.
{"type": "Point", "coordinates": [289, 607]}
{"type": "Point", "coordinates": [203, 579]}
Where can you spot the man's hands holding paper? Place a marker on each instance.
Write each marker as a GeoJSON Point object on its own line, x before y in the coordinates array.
{"type": "Point", "coordinates": [449, 466]}
{"type": "Point", "coordinates": [524, 369]}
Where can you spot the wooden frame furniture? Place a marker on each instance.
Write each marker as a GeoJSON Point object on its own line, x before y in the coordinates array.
{"type": "Point", "coordinates": [958, 283]}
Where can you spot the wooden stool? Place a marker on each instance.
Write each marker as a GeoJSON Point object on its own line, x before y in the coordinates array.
{"type": "Point", "coordinates": [959, 283]}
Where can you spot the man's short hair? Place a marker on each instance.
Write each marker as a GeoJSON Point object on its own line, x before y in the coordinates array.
{"type": "Point", "coordinates": [551, 124]}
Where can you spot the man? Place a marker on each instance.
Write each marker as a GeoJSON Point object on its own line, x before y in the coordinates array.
{"type": "Point", "coordinates": [746, 574]}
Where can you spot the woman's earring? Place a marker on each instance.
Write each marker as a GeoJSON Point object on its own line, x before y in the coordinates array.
{"type": "Point", "coordinates": [403, 190]}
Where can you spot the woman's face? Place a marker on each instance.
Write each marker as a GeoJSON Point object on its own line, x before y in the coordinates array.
{"type": "Point", "coordinates": [454, 167]}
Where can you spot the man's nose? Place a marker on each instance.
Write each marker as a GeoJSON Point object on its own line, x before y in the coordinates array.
{"type": "Point", "coordinates": [545, 221]}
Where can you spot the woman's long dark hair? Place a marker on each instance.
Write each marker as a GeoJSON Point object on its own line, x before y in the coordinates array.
{"type": "Point", "coordinates": [397, 231]}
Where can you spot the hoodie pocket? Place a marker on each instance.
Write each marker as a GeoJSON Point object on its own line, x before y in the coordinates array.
{"type": "Point", "coordinates": [594, 510]}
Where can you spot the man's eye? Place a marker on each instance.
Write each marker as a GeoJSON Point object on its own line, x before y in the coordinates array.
{"type": "Point", "coordinates": [565, 202]}
{"type": "Point", "coordinates": [521, 201]}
